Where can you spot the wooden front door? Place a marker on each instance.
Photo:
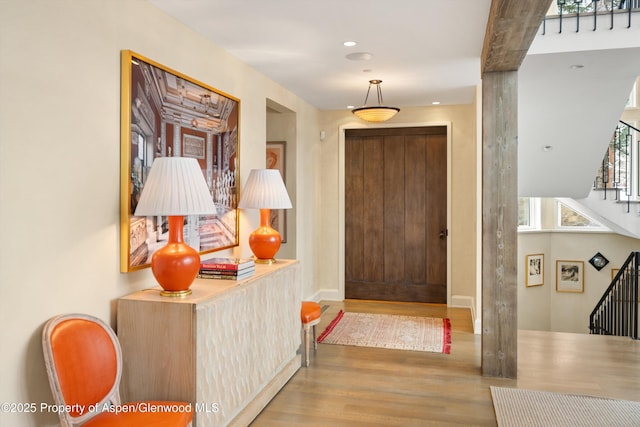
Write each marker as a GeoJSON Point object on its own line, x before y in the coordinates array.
{"type": "Point", "coordinates": [396, 214]}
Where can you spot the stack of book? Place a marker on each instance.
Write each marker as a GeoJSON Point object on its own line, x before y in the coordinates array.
{"type": "Point", "coordinates": [226, 268]}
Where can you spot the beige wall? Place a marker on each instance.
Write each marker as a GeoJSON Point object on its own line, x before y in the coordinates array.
{"type": "Point", "coordinates": [60, 163]}
{"type": "Point", "coordinates": [462, 229]}
{"type": "Point", "coordinates": [281, 126]}
{"type": "Point", "coordinates": [541, 307]}
{"type": "Point", "coordinates": [60, 169]}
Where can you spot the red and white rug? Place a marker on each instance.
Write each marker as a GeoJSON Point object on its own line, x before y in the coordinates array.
{"type": "Point", "coordinates": [389, 331]}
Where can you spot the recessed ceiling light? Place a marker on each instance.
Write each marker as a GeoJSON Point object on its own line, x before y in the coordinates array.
{"type": "Point", "coordinates": [367, 70]}
{"type": "Point", "coordinates": [349, 43]}
{"type": "Point", "coordinates": [576, 66]}
{"type": "Point", "coordinates": [435, 103]}
{"type": "Point", "coordinates": [359, 56]}
{"type": "Point", "coordinates": [547, 148]}
{"type": "Point", "coordinates": [350, 107]}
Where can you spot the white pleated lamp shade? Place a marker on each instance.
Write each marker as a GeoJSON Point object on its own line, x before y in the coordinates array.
{"type": "Point", "coordinates": [264, 189]}
{"type": "Point", "coordinates": [175, 186]}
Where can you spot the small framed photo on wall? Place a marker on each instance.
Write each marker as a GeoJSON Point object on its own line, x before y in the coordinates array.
{"type": "Point", "coordinates": [614, 273]}
{"type": "Point", "coordinates": [276, 159]}
{"type": "Point", "coordinates": [569, 276]}
{"type": "Point", "coordinates": [535, 270]}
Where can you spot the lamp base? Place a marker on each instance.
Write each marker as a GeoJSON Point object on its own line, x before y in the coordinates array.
{"type": "Point", "coordinates": [265, 241]}
{"type": "Point", "coordinates": [175, 294]}
{"type": "Point", "coordinates": [176, 265]}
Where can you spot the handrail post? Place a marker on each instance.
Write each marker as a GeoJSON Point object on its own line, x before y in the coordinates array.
{"type": "Point", "coordinates": [635, 300]}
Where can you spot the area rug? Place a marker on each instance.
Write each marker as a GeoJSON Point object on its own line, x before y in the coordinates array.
{"type": "Point", "coordinates": [518, 407]}
{"type": "Point", "coordinates": [389, 331]}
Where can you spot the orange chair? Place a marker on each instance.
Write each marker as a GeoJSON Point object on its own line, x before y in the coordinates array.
{"type": "Point", "coordinates": [310, 316]}
{"type": "Point", "coordinates": [84, 365]}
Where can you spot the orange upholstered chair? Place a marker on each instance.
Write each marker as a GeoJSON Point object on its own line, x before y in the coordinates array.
{"type": "Point", "coordinates": [310, 317]}
{"type": "Point", "coordinates": [84, 365]}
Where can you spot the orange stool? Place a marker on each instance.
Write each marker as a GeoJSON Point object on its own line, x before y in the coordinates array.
{"type": "Point", "coordinates": [310, 316]}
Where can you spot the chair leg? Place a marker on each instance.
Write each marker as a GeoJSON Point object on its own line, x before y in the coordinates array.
{"type": "Point", "coordinates": [315, 341]}
{"type": "Point", "coordinates": [306, 346]}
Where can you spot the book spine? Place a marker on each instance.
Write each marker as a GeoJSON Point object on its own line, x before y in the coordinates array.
{"type": "Point", "coordinates": [226, 271]}
{"type": "Point", "coordinates": [223, 276]}
{"type": "Point", "coordinates": [225, 266]}
{"type": "Point", "coordinates": [229, 267]}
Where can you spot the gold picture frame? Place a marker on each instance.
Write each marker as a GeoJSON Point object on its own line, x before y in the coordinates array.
{"type": "Point", "coordinates": [165, 113]}
{"type": "Point", "coordinates": [569, 276]}
{"type": "Point", "coordinates": [277, 159]}
{"type": "Point", "coordinates": [534, 270]}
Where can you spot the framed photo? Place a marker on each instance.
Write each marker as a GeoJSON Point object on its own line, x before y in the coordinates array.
{"type": "Point", "coordinates": [535, 270]}
{"type": "Point", "coordinates": [614, 272]}
{"type": "Point", "coordinates": [167, 114]}
{"type": "Point", "coordinates": [569, 276]}
{"type": "Point", "coordinates": [193, 146]}
{"type": "Point", "coordinates": [276, 159]}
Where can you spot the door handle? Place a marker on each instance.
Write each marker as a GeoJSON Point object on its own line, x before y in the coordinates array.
{"type": "Point", "coordinates": [444, 233]}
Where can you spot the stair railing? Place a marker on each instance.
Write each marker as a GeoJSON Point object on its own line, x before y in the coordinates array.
{"type": "Point", "coordinates": [590, 9]}
{"type": "Point", "coordinates": [619, 169]}
{"type": "Point", "coordinates": [617, 311]}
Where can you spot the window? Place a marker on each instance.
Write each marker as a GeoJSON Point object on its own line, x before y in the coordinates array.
{"type": "Point", "coordinates": [528, 213]}
{"type": "Point", "coordinates": [568, 217]}
{"type": "Point", "coordinates": [632, 101]}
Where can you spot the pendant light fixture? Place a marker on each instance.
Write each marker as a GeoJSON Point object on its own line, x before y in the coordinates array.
{"type": "Point", "coordinates": [378, 113]}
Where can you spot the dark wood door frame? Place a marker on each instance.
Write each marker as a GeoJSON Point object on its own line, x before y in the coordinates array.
{"type": "Point", "coordinates": [341, 198]}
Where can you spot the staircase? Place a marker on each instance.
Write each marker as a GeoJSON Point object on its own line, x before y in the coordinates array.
{"type": "Point", "coordinates": [618, 174]}
{"type": "Point", "coordinates": [617, 311]}
{"type": "Point", "coordinates": [614, 199]}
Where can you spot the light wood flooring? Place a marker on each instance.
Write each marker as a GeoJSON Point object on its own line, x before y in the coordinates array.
{"type": "Point", "coordinates": [358, 386]}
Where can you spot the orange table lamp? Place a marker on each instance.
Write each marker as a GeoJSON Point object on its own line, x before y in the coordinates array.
{"type": "Point", "coordinates": [175, 188]}
{"type": "Point", "coordinates": [265, 190]}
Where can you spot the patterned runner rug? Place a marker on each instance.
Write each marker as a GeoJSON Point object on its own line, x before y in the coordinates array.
{"type": "Point", "coordinates": [389, 331]}
{"type": "Point", "coordinates": [518, 407]}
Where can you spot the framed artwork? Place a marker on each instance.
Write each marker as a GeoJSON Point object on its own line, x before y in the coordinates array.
{"type": "Point", "coordinates": [535, 270]}
{"type": "Point", "coordinates": [193, 146]}
{"type": "Point", "coordinates": [598, 261]}
{"type": "Point", "coordinates": [614, 272]}
{"type": "Point", "coordinates": [165, 113]}
{"type": "Point", "coordinates": [276, 159]}
{"type": "Point", "coordinates": [569, 276]}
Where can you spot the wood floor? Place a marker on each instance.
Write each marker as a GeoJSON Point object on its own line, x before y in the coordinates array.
{"type": "Point", "coordinates": [358, 386]}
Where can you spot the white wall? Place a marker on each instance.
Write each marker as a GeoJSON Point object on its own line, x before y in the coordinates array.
{"type": "Point", "coordinates": [60, 163]}
{"type": "Point", "coordinates": [541, 307]}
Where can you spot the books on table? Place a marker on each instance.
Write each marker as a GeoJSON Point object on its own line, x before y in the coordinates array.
{"type": "Point", "coordinates": [232, 264]}
{"type": "Point", "coordinates": [226, 268]}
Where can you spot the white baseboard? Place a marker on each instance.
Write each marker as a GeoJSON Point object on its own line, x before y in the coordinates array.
{"type": "Point", "coordinates": [464, 301]}
{"type": "Point", "coordinates": [325, 295]}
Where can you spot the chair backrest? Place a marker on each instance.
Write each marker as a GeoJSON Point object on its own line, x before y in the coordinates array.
{"type": "Point", "coordinates": [84, 365]}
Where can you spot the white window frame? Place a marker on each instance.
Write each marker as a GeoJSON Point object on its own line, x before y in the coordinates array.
{"type": "Point", "coordinates": [534, 215]}
{"type": "Point", "coordinates": [558, 219]}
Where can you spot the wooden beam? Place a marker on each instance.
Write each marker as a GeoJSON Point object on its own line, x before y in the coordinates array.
{"type": "Point", "coordinates": [499, 224]}
{"type": "Point", "coordinates": [511, 28]}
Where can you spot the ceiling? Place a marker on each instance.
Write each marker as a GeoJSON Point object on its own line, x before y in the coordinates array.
{"type": "Point", "coordinates": [429, 50]}
{"type": "Point", "coordinates": [423, 50]}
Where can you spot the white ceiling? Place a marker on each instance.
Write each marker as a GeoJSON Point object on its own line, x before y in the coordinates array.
{"type": "Point", "coordinates": [422, 50]}
{"type": "Point", "coordinates": [429, 50]}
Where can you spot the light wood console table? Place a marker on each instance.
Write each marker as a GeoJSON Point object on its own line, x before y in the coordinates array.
{"type": "Point", "coordinates": [228, 348]}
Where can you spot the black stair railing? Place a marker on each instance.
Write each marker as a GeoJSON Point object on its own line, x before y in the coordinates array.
{"type": "Point", "coordinates": [619, 169]}
{"type": "Point", "coordinates": [617, 311]}
{"type": "Point", "coordinates": [591, 10]}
